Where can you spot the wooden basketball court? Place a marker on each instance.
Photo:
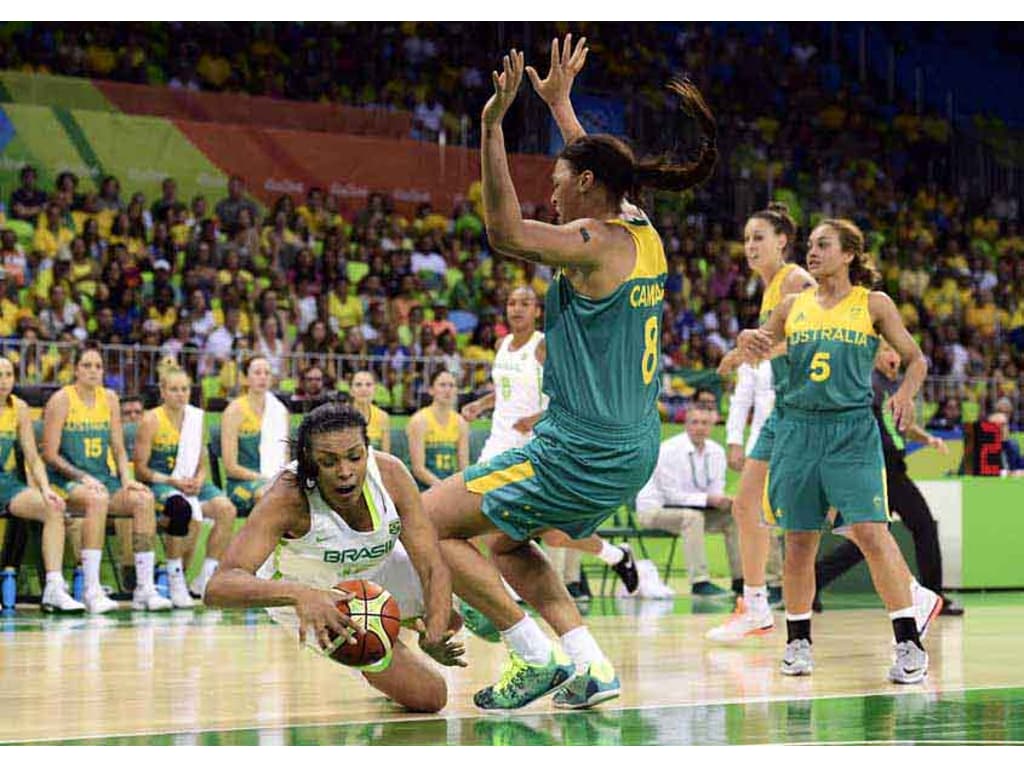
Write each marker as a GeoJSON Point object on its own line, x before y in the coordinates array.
{"type": "Point", "coordinates": [210, 677]}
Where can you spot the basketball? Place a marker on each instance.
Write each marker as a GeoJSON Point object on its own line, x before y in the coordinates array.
{"type": "Point", "coordinates": [374, 609]}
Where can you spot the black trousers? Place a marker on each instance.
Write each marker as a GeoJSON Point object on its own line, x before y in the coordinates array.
{"type": "Point", "coordinates": [906, 501]}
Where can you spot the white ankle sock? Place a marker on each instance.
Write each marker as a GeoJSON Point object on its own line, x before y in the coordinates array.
{"type": "Point", "coordinates": [581, 647]}
{"type": "Point", "coordinates": [611, 554]}
{"type": "Point", "coordinates": [903, 613]}
{"type": "Point", "coordinates": [175, 568]}
{"type": "Point", "coordinates": [54, 577]}
{"type": "Point", "coordinates": [209, 568]}
{"type": "Point", "coordinates": [91, 569]}
{"type": "Point", "coordinates": [528, 641]}
{"type": "Point", "coordinates": [755, 599]}
{"type": "Point", "coordinates": [144, 571]}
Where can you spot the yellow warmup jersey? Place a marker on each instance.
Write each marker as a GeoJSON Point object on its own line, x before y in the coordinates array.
{"type": "Point", "coordinates": [441, 443]}
{"type": "Point", "coordinates": [85, 439]}
{"type": "Point", "coordinates": [249, 436]}
{"type": "Point", "coordinates": [165, 443]}
{"type": "Point", "coordinates": [9, 435]}
{"type": "Point", "coordinates": [375, 427]}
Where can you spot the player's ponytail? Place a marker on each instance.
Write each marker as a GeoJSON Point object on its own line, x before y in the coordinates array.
{"type": "Point", "coordinates": [615, 166]}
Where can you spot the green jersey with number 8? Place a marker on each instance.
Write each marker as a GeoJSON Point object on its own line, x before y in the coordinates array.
{"type": "Point", "coordinates": [604, 355]}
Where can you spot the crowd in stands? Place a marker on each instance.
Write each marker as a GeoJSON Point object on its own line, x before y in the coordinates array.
{"type": "Point", "coordinates": [216, 276]}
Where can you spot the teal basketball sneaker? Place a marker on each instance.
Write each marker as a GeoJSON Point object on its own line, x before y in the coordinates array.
{"type": "Point", "coordinates": [523, 683]}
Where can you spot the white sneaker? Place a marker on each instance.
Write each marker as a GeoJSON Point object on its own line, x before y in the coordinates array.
{"type": "Point", "coordinates": [98, 602]}
{"type": "Point", "coordinates": [741, 625]}
{"type": "Point", "coordinates": [910, 665]}
{"type": "Point", "coordinates": [180, 597]}
{"type": "Point", "coordinates": [149, 600]}
{"type": "Point", "coordinates": [797, 659]}
{"type": "Point", "coordinates": [927, 605]}
{"type": "Point", "coordinates": [57, 600]}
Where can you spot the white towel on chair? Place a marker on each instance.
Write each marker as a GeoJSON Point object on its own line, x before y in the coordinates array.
{"type": "Point", "coordinates": [190, 449]}
{"type": "Point", "coordinates": [273, 436]}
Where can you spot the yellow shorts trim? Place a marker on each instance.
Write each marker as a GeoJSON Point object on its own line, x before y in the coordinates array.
{"type": "Point", "coordinates": [766, 505]}
{"type": "Point", "coordinates": [500, 478]}
{"type": "Point", "coordinates": [885, 497]}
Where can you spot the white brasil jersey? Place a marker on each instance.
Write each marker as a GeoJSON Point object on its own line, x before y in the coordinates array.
{"type": "Point", "coordinates": [517, 378]}
{"type": "Point", "coordinates": [333, 552]}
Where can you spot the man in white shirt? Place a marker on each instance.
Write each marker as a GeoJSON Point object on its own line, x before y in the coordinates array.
{"type": "Point", "coordinates": [686, 496]}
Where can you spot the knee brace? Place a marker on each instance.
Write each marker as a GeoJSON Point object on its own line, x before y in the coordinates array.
{"type": "Point", "coordinates": [178, 512]}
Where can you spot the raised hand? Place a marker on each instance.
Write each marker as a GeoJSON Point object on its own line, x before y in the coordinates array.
{"type": "Point", "coordinates": [565, 65]}
{"type": "Point", "coordinates": [506, 85]}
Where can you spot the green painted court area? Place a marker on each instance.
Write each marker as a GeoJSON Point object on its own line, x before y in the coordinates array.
{"type": "Point", "coordinates": [930, 714]}
{"type": "Point", "coordinates": [994, 716]}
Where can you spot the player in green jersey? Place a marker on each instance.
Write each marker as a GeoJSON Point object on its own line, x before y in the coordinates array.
{"type": "Point", "coordinates": [828, 451]}
{"type": "Point", "coordinates": [597, 443]}
{"type": "Point", "coordinates": [83, 446]}
{"type": "Point", "coordinates": [38, 502]}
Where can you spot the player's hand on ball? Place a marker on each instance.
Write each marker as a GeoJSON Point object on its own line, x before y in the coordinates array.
{"type": "Point", "coordinates": [444, 650]}
{"type": "Point", "coordinates": [318, 613]}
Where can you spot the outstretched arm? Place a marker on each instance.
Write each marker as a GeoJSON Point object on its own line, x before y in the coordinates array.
{"type": "Point", "coordinates": [576, 244]}
{"type": "Point", "coordinates": [555, 88]}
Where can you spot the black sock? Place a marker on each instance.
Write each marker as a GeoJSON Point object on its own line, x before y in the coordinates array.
{"type": "Point", "coordinates": [737, 586]}
{"type": "Point", "coordinates": [906, 629]}
{"type": "Point", "coordinates": [798, 630]}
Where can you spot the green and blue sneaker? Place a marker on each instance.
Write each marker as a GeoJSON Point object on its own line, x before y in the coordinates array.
{"type": "Point", "coordinates": [478, 624]}
{"type": "Point", "coordinates": [523, 683]}
{"type": "Point", "coordinates": [597, 683]}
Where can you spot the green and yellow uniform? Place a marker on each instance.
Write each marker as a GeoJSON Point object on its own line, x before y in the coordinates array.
{"type": "Point", "coordinates": [441, 442]}
{"type": "Point", "coordinates": [597, 443]}
{"type": "Point", "coordinates": [762, 450]}
{"type": "Point", "coordinates": [10, 480]}
{"type": "Point", "coordinates": [375, 427]}
{"type": "Point", "coordinates": [828, 450]}
{"type": "Point", "coordinates": [85, 442]}
{"type": "Point", "coordinates": [243, 492]}
{"type": "Point", "coordinates": [162, 456]}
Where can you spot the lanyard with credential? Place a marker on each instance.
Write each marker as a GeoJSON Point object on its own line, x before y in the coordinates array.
{"type": "Point", "coordinates": [707, 472]}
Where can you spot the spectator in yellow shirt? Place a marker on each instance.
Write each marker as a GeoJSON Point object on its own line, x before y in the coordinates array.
{"type": "Point", "coordinates": [343, 309]}
{"type": "Point", "coordinates": [984, 315]}
{"type": "Point", "coordinates": [51, 235]}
